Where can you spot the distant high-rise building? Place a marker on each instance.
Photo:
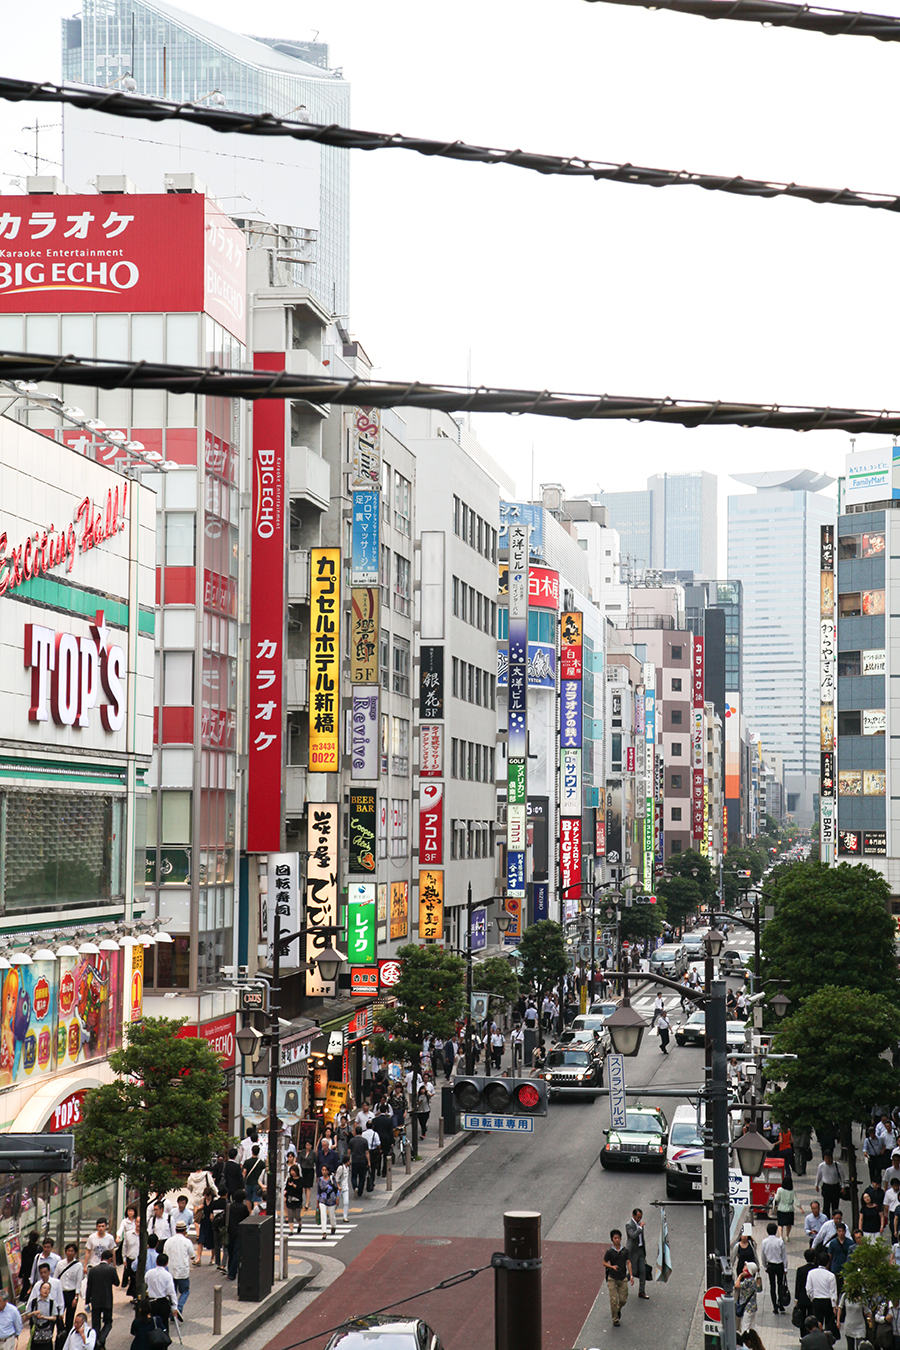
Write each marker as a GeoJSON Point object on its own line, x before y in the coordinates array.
{"type": "Point", "coordinates": [684, 521]}
{"type": "Point", "coordinates": [301, 188]}
{"type": "Point", "coordinates": [670, 525]}
{"type": "Point", "coordinates": [773, 549]}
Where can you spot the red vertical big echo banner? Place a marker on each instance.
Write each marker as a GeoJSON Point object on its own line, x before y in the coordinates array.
{"type": "Point", "coordinates": [266, 712]}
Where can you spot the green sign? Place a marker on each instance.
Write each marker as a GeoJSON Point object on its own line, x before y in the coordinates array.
{"type": "Point", "coordinates": [515, 782]}
{"type": "Point", "coordinates": [361, 925]}
{"type": "Point", "coordinates": [648, 843]}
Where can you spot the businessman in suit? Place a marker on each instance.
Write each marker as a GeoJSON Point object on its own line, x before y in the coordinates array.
{"type": "Point", "coordinates": [636, 1246]}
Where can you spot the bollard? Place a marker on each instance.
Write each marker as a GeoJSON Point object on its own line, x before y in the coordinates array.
{"type": "Point", "coordinates": [441, 1132]}
{"type": "Point", "coordinates": [390, 1182]}
{"type": "Point", "coordinates": [408, 1158]}
{"type": "Point", "coordinates": [217, 1310]}
{"type": "Point", "coordinates": [517, 1284]}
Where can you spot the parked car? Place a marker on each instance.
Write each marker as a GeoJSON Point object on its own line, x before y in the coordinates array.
{"type": "Point", "coordinates": [669, 960]}
{"type": "Point", "coordinates": [573, 1070]}
{"type": "Point", "coordinates": [684, 1153]}
{"type": "Point", "coordinates": [692, 1031]}
{"type": "Point", "coordinates": [596, 1023]}
{"type": "Point", "coordinates": [695, 943]}
{"type": "Point", "coordinates": [391, 1333]}
{"type": "Point", "coordinates": [736, 1033]}
{"type": "Point", "coordinates": [640, 1143]}
{"type": "Point", "coordinates": [605, 1006]}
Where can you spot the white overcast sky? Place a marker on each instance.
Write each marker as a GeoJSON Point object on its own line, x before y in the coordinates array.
{"type": "Point", "coordinates": [572, 285]}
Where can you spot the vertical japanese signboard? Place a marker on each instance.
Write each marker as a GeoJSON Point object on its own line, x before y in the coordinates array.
{"type": "Point", "coordinates": [361, 924]}
{"type": "Point", "coordinates": [366, 449]}
{"type": "Point", "coordinates": [698, 756]}
{"type": "Point", "coordinates": [431, 824]}
{"type": "Point", "coordinates": [827, 675]}
{"type": "Point", "coordinates": [570, 858]}
{"type": "Point", "coordinates": [431, 905]}
{"type": "Point", "coordinates": [570, 742]}
{"type": "Point", "coordinates": [362, 831]}
{"type": "Point", "coordinates": [324, 659]}
{"type": "Point", "coordinates": [283, 899]}
{"type": "Point", "coordinates": [364, 635]}
{"type": "Point", "coordinates": [321, 889]}
{"type": "Point", "coordinates": [649, 793]}
{"type": "Point", "coordinates": [431, 684]}
{"type": "Point", "coordinates": [364, 556]}
{"type": "Point", "coordinates": [517, 696]}
{"type": "Point", "coordinates": [570, 646]}
{"type": "Point", "coordinates": [364, 734]}
{"type": "Point", "coordinates": [267, 564]}
{"type": "Point", "coordinates": [431, 750]}
{"type": "Point", "coordinates": [399, 909]}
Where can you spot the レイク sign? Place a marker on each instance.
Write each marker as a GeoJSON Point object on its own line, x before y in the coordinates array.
{"type": "Point", "coordinates": [67, 674]}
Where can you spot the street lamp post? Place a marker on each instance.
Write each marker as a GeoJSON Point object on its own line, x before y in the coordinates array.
{"type": "Point", "coordinates": [248, 1039]}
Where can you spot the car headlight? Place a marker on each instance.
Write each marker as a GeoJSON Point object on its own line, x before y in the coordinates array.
{"type": "Point", "coordinates": [613, 1145]}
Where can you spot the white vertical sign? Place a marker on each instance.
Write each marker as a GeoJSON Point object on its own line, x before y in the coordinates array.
{"type": "Point", "coordinates": [615, 1068]}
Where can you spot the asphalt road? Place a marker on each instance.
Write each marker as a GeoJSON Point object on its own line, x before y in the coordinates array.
{"type": "Point", "coordinates": [556, 1171]}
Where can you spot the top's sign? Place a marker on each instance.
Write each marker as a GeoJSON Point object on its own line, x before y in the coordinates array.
{"type": "Point", "coordinates": [131, 253]}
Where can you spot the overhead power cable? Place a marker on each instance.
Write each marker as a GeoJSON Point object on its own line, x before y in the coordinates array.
{"type": "Point", "coordinates": [225, 120]}
{"type": "Point", "coordinates": [445, 398]}
{"type": "Point", "coordinates": [774, 14]}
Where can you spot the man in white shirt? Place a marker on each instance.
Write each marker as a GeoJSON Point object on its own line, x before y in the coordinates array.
{"type": "Point", "coordinates": [160, 1222]}
{"type": "Point", "coordinates": [889, 1173]}
{"type": "Point", "coordinates": [161, 1291]}
{"type": "Point", "coordinates": [98, 1242]}
{"type": "Point", "coordinates": [81, 1336]}
{"type": "Point", "coordinates": [245, 1147]}
{"type": "Point", "coordinates": [774, 1259]}
{"type": "Point", "coordinates": [365, 1115]}
{"type": "Point", "coordinates": [180, 1251]}
{"type": "Point", "coordinates": [821, 1290]}
{"type": "Point", "coordinates": [10, 1323]}
{"type": "Point", "coordinates": [658, 1009]}
{"type": "Point", "coordinates": [47, 1254]}
{"type": "Point", "coordinates": [70, 1273]}
{"type": "Point", "coordinates": [886, 1133]}
{"type": "Point", "coordinates": [828, 1230]}
{"type": "Point", "coordinates": [814, 1220]}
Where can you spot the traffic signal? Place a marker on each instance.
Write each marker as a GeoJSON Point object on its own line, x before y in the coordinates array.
{"type": "Point", "coordinates": [500, 1096]}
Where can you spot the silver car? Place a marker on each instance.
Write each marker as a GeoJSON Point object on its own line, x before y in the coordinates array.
{"type": "Point", "coordinates": [670, 960]}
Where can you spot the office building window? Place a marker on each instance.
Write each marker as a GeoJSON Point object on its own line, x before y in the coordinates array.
{"type": "Point", "coordinates": [676, 686]}
{"type": "Point", "coordinates": [616, 740]}
{"type": "Point", "coordinates": [399, 827]}
{"type": "Point", "coordinates": [676, 812]}
{"type": "Point", "coordinates": [454, 750]}
{"type": "Point", "coordinates": [675, 748]}
{"type": "Point", "coordinates": [675, 846]}
{"type": "Point", "coordinates": [385, 573]}
{"type": "Point", "coordinates": [385, 490]}
{"type": "Point", "coordinates": [849, 663]}
{"type": "Point", "coordinates": [402, 503]}
{"type": "Point", "coordinates": [676, 717]}
{"type": "Point", "coordinates": [385, 661]}
{"type": "Point", "coordinates": [676, 653]}
{"type": "Point", "coordinates": [456, 595]}
{"type": "Point", "coordinates": [400, 746]}
{"type": "Point", "coordinates": [402, 592]}
{"type": "Point", "coordinates": [849, 724]}
{"type": "Point", "coordinates": [401, 666]}
{"type": "Point", "coordinates": [675, 780]}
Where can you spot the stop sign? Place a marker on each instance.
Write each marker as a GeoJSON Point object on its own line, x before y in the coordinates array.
{"type": "Point", "coordinates": [711, 1303]}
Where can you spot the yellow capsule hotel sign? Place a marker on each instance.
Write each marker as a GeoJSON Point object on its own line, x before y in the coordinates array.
{"type": "Point", "coordinates": [324, 659]}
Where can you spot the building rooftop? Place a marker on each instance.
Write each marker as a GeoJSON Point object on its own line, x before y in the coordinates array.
{"type": "Point", "coordinates": [785, 480]}
{"type": "Point", "coordinates": [247, 49]}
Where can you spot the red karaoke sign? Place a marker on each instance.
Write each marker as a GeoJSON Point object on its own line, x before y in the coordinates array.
{"type": "Point", "coordinates": [266, 714]}
{"type": "Point", "coordinates": [122, 253]}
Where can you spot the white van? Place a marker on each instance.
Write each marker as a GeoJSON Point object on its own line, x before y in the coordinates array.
{"type": "Point", "coordinates": [684, 1154]}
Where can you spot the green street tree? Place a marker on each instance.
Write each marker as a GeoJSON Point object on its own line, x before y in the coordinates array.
{"type": "Point", "coordinates": [495, 976]}
{"type": "Point", "coordinates": [682, 895]}
{"type": "Point", "coordinates": [164, 1107]}
{"type": "Point", "coordinates": [752, 859]}
{"type": "Point", "coordinates": [644, 921]}
{"type": "Point", "coordinates": [542, 952]}
{"type": "Point", "coordinates": [870, 1277]}
{"type": "Point", "coordinates": [838, 1035]}
{"type": "Point", "coordinates": [431, 998]}
{"type": "Point", "coordinates": [832, 925]}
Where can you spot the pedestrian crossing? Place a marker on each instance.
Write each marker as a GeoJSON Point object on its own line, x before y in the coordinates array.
{"type": "Point", "coordinates": [645, 1002]}
{"type": "Point", "coordinates": [310, 1235]}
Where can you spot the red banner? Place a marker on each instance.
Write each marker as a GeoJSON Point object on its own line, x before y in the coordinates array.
{"type": "Point", "coordinates": [431, 824]}
{"type": "Point", "coordinates": [266, 713]}
{"type": "Point", "coordinates": [697, 676]}
{"type": "Point", "coordinates": [600, 836]}
{"type": "Point", "coordinates": [219, 1036]}
{"type": "Point", "coordinates": [570, 858]}
{"type": "Point", "coordinates": [115, 253]}
{"type": "Point", "coordinates": [543, 587]}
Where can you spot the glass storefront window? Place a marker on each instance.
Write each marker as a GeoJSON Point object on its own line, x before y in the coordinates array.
{"type": "Point", "coordinates": [60, 849]}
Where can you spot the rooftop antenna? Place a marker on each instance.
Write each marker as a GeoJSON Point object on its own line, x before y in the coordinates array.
{"type": "Point", "coordinates": [38, 158]}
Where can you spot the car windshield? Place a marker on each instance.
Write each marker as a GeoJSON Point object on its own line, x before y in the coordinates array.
{"type": "Point", "coordinates": [686, 1135]}
{"type": "Point", "coordinates": [697, 1019]}
{"type": "Point", "coordinates": [579, 1057]}
{"type": "Point", "coordinates": [693, 939]}
{"type": "Point", "coordinates": [736, 1028]}
{"type": "Point", "coordinates": [733, 956]}
{"type": "Point", "coordinates": [641, 1124]}
{"type": "Point", "coordinates": [664, 953]}
{"type": "Point", "coordinates": [585, 1022]}
{"type": "Point", "coordinates": [604, 1009]}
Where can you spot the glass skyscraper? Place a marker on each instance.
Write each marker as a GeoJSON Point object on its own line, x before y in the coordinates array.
{"type": "Point", "coordinates": [773, 548]}
{"type": "Point", "coordinates": [669, 526]}
{"type": "Point", "coordinates": [631, 514]}
{"type": "Point", "coordinates": [176, 55]}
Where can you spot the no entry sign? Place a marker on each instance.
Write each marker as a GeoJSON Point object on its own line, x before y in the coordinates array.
{"type": "Point", "coordinates": [711, 1307]}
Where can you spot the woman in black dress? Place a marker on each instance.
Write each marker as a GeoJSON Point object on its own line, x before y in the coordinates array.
{"type": "Point", "coordinates": [307, 1166]}
{"type": "Point", "coordinates": [205, 1236]}
{"type": "Point", "coordinates": [293, 1195]}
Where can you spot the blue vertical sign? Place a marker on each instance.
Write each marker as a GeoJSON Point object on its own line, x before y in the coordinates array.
{"type": "Point", "coordinates": [650, 720]}
{"type": "Point", "coordinates": [364, 539]}
{"type": "Point", "coordinates": [478, 936]}
{"type": "Point", "coordinates": [570, 714]}
{"type": "Point", "coordinates": [541, 900]}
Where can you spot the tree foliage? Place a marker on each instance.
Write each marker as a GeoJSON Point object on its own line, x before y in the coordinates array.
{"type": "Point", "coordinates": [431, 997]}
{"type": "Point", "coordinates": [496, 976]}
{"type": "Point", "coordinates": [542, 952]}
{"type": "Point", "coordinates": [164, 1110]}
{"type": "Point", "coordinates": [832, 926]}
{"type": "Point", "coordinates": [838, 1036]}
{"type": "Point", "coordinates": [871, 1276]}
{"type": "Point", "coordinates": [644, 921]}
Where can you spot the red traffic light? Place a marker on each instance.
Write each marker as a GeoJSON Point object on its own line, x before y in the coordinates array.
{"type": "Point", "coordinates": [528, 1097]}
